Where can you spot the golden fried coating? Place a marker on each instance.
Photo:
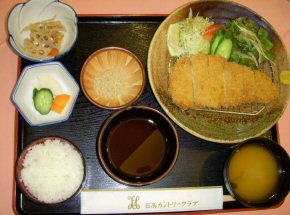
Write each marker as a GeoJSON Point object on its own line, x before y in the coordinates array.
{"type": "Point", "coordinates": [249, 84]}
{"type": "Point", "coordinates": [234, 85]}
{"type": "Point", "coordinates": [216, 86]}
{"type": "Point", "coordinates": [180, 84]}
{"type": "Point", "coordinates": [210, 81]}
{"type": "Point", "coordinates": [266, 91]}
{"type": "Point", "coordinates": [199, 67]}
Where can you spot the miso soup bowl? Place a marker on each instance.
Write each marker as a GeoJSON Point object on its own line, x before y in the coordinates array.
{"type": "Point", "coordinates": [147, 144]}
{"type": "Point", "coordinates": [276, 196]}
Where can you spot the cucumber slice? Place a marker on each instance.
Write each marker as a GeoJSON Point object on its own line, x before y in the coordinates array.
{"type": "Point", "coordinates": [215, 43]}
{"type": "Point", "coordinates": [216, 40]}
{"type": "Point", "coordinates": [225, 46]}
{"type": "Point", "coordinates": [224, 49]}
{"type": "Point", "coordinates": [43, 100]}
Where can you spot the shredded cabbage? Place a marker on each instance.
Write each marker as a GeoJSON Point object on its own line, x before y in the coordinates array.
{"type": "Point", "coordinates": [191, 31]}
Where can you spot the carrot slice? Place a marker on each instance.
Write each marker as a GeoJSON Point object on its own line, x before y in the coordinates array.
{"type": "Point", "coordinates": [56, 108]}
{"type": "Point", "coordinates": [60, 102]}
{"type": "Point", "coordinates": [62, 99]}
{"type": "Point", "coordinates": [53, 52]}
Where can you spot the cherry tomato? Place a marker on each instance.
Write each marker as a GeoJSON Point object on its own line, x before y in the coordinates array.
{"type": "Point", "coordinates": [210, 31]}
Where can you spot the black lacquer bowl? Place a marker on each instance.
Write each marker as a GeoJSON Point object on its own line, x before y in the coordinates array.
{"type": "Point", "coordinates": [141, 153]}
{"type": "Point", "coordinates": [264, 167]}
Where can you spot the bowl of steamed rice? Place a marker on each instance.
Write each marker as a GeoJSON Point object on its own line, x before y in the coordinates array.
{"type": "Point", "coordinates": [51, 170]}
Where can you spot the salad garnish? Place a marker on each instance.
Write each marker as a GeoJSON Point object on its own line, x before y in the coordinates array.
{"type": "Point", "coordinates": [240, 41]}
{"type": "Point", "coordinates": [186, 37]}
{"type": "Point", "coordinates": [251, 45]}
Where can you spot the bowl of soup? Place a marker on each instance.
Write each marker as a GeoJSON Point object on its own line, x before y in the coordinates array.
{"type": "Point", "coordinates": [138, 146]}
{"type": "Point", "coordinates": [257, 173]}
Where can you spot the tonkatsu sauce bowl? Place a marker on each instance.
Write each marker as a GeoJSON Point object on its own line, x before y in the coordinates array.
{"type": "Point", "coordinates": [138, 146]}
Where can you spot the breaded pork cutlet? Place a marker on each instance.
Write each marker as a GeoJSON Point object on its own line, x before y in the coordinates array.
{"type": "Point", "coordinates": [181, 84]}
{"type": "Point", "coordinates": [249, 84]}
{"type": "Point", "coordinates": [215, 83]}
{"type": "Point", "coordinates": [210, 81]}
{"type": "Point", "coordinates": [234, 85]}
{"type": "Point", "coordinates": [266, 91]}
{"type": "Point", "coordinates": [200, 77]}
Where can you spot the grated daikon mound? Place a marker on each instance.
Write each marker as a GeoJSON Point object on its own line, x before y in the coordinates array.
{"type": "Point", "coordinates": [52, 171]}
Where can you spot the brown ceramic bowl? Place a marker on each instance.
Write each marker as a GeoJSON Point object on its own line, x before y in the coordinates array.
{"type": "Point", "coordinates": [257, 173]}
{"type": "Point", "coordinates": [29, 190]}
{"type": "Point", "coordinates": [113, 78]}
{"type": "Point", "coordinates": [222, 127]}
{"type": "Point", "coordinates": [138, 146]}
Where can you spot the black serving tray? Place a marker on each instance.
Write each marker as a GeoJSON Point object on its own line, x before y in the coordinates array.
{"type": "Point", "coordinates": [200, 163]}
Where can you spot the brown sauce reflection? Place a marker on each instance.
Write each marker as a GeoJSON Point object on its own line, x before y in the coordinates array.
{"type": "Point", "coordinates": [136, 147]}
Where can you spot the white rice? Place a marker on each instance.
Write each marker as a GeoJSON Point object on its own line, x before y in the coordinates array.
{"type": "Point", "coordinates": [52, 171]}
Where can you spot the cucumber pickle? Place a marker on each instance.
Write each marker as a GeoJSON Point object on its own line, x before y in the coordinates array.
{"type": "Point", "coordinates": [43, 100]}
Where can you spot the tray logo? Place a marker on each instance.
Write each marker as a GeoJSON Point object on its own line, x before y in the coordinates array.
{"type": "Point", "coordinates": [133, 202]}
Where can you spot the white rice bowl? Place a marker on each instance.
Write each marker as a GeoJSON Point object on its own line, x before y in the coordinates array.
{"type": "Point", "coordinates": [52, 171]}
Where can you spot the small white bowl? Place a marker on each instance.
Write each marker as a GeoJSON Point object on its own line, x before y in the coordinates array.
{"type": "Point", "coordinates": [51, 75]}
{"type": "Point", "coordinates": [34, 11]}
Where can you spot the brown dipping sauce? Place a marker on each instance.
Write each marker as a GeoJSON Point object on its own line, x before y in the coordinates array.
{"type": "Point", "coordinates": [136, 147]}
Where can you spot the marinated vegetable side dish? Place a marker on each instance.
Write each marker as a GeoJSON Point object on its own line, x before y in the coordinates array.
{"type": "Point", "coordinates": [44, 101]}
{"type": "Point", "coordinates": [217, 66]}
{"type": "Point", "coordinates": [45, 38]}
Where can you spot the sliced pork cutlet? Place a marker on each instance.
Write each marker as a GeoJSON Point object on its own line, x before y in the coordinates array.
{"type": "Point", "coordinates": [216, 81]}
{"type": "Point", "coordinates": [234, 85]}
{"type": "Point", "coordinates": [200, 77]}
{"type": "Point", "coordinates": [181, 84]}
{"type": "Point", "coordinates": [246, 86]}
{"type": "Point", "coordinates": [249, 85]}
{"type": "Point", "coordinates": [209, 81]}
{"type": "Point", "coordinates": [266, 90]}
